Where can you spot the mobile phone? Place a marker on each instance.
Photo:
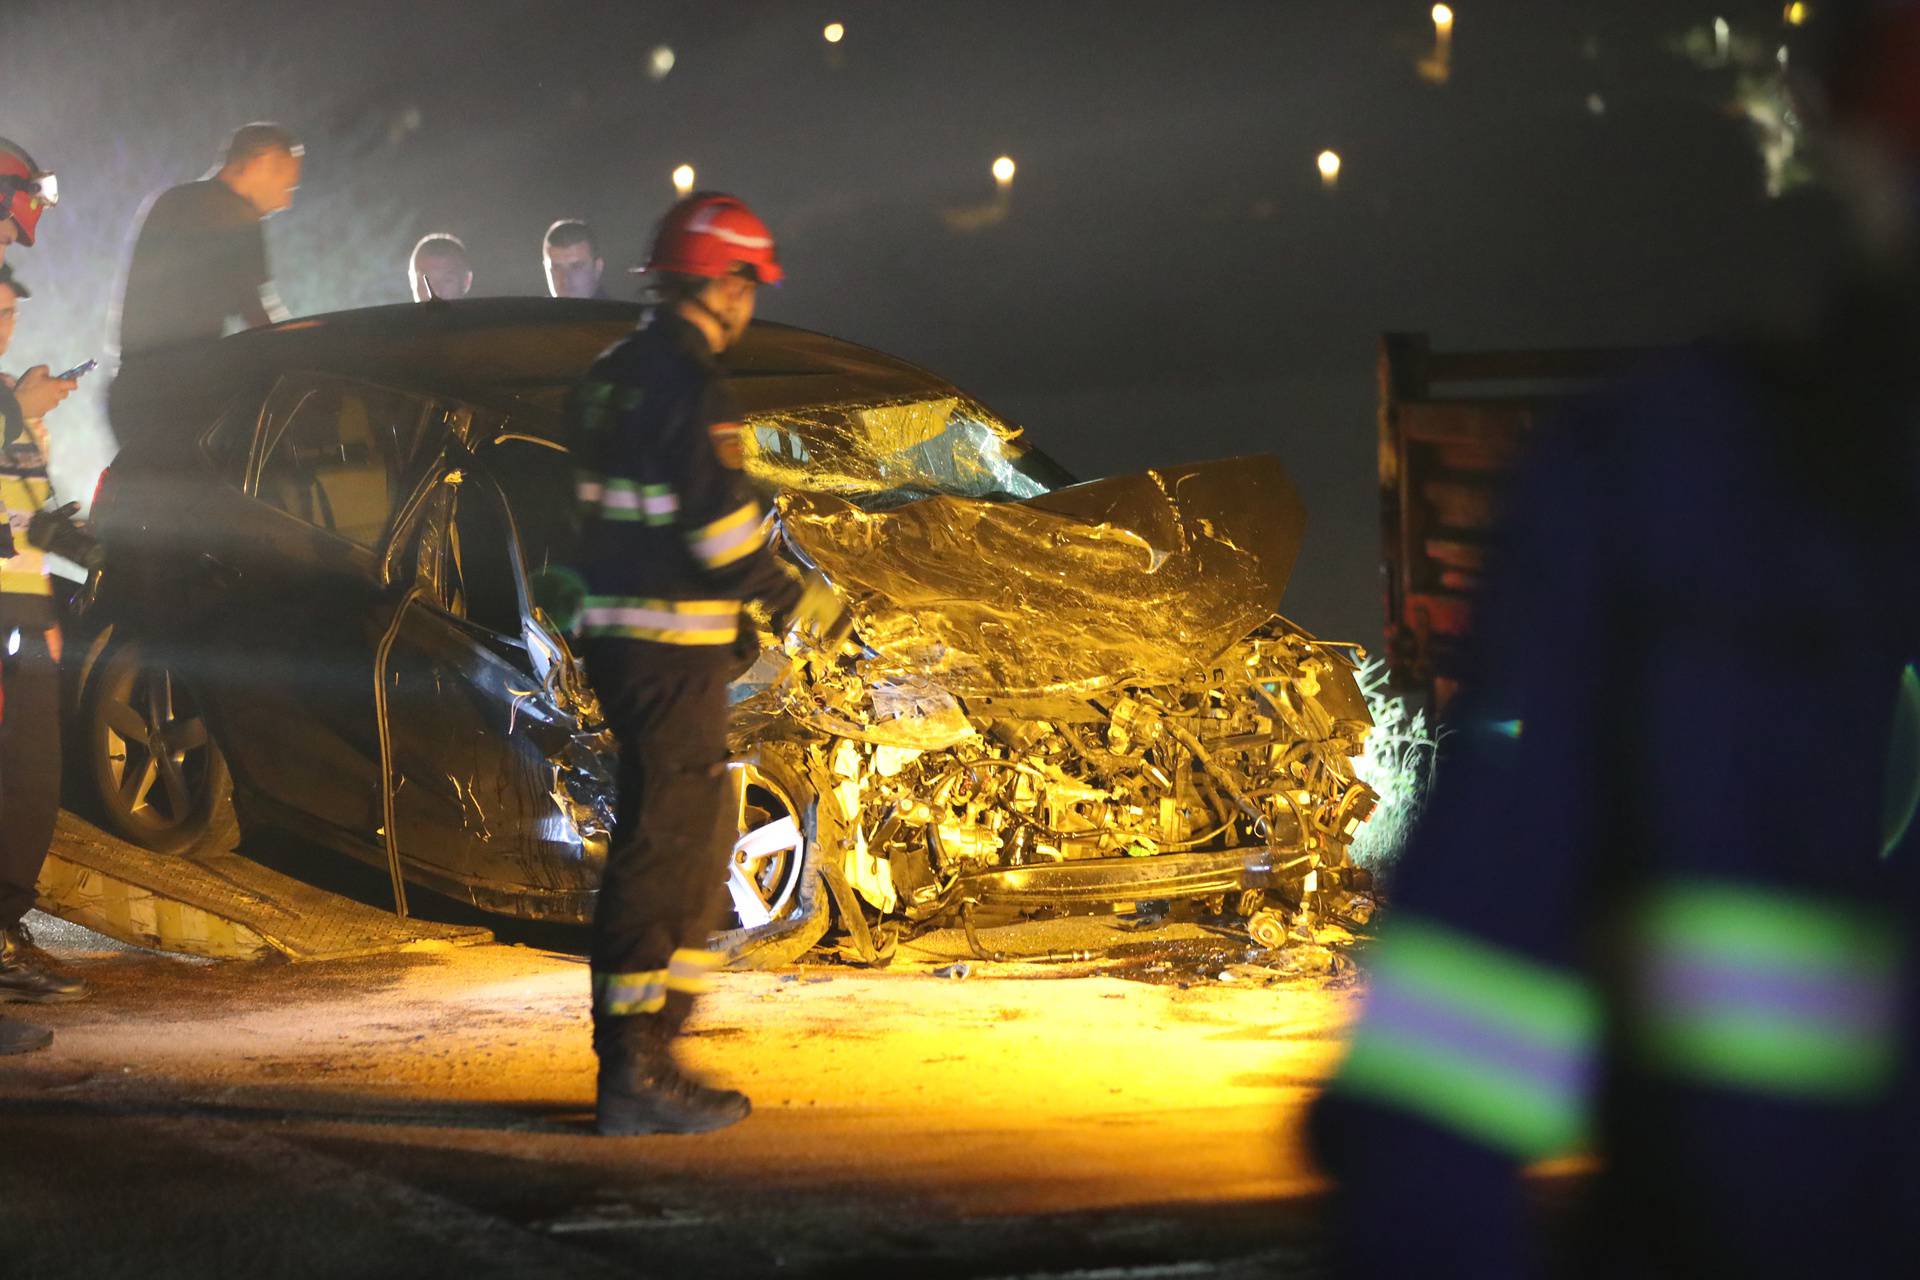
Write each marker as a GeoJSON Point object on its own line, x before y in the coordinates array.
{"type": "Point", "coordinates": [79, 371]}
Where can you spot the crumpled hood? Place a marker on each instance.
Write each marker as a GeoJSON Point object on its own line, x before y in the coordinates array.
{"type": "Point", "coordinates": [1141, 578]}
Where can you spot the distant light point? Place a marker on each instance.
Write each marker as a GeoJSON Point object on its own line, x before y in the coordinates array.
{"type": "Point", "coordinates": [834, 33]}
{"type": "Point", "coordinates": [1596, 105]}
{"type": "Point", "coordinates": [1443, 16]}
{"type": "Point", "coordinates": [660, 62]}
{"type": "Point", "coordinates": [1797, 14]}
{"type": "Point", "coordinates": [683, 179]}
{"type": "Point", "coordinates": [1329, 163]}
{"type": "Point", "coordinates": [1003, 171]}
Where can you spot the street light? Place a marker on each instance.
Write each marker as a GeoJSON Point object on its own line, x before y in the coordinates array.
{"type": "Point", "coordinates": [660, 62]}
{"type": "Point", "coordinates": [1003, 171]}
{"type": "Point", "coordinates": [683, 179]}
{"type": "Point", "coordinates": [1329, 162]}
{"type": "Point", "coordinates": [1438, 66]}
{"type": "Point", "coordinates": [835, 33]}
{"type": "Point", "coordinates": [1796, 14]}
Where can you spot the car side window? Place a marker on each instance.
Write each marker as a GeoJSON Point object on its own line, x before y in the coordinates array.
{"type": "Point", "coordinates": [331, 453]}
{"type": "Point", "coordinates": [230, 439]}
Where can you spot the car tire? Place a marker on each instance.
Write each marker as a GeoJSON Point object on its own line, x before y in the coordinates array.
{"type": "Point", "coordinates": [168, 790]}
{"type": "Point", "coordinates": [796, 899]}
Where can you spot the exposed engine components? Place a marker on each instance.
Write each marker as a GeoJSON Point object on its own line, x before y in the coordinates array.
{"type": "Point", "coordinates": [1253, 754]}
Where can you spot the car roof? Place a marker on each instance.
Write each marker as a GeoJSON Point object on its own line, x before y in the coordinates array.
{"type": "Point", "coordinates": [524, 348]}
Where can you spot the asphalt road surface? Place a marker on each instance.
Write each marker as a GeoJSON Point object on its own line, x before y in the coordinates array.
{"type": "Point", "coordinates": [426, 1114]}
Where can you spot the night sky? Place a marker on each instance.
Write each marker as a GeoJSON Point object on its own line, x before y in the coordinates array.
{"type": "Point", "coordinates": [1169, 280]}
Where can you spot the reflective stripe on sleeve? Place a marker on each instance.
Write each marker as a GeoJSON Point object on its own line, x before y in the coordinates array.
{"type": "Point", "coordinates": [729, 538]}
{"type": "Point", "coordinates": [1768, 992]}
{"type": "Point", "coordinates": [691, 971]}
{"type": "Point", "coordinates": [588, 488]}
{"type": "Point", "coordinates": [1476, 1039]}
{"type": "Point", "coordinates": [621, 995]}
{"type": "Point", "coordinates": [688, 622]}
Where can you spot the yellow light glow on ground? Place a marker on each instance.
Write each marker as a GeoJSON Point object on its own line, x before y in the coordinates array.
{"type": "Point", "coordinates": [683, 179]}
{"type": "Point", "coordinates": [1329, 162]}
{"type": "Point", "coordinates": [1443, 16]}
{"type": "Point", "coordinates": [835, 33]}
{"type": "Point", "coordinates": [1797, 14]}
{"type": "Point", "coordinates": [1003, 170]}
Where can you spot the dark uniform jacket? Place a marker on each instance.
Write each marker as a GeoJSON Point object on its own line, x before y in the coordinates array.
{"type": "Point", "coordinates": [1663, 908]}
{"type": "Point", "coordinates": [672, 540]}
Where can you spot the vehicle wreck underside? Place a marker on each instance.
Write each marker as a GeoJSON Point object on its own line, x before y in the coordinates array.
{"type": "Point", "coordinates": [1082, 700]}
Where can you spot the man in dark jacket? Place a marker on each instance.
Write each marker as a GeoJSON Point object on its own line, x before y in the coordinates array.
{"type": "Point", "coordinates": [673, 543]}
{"type": "Point", "coordinates": [199, 264]}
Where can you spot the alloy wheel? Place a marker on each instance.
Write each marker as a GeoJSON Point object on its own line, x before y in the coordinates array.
{"type": "Point", "coordinates": [768, 849]}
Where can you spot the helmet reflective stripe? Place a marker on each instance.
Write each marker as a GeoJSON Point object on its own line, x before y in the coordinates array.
{"type": "Point", "coordinates": [703, 223]}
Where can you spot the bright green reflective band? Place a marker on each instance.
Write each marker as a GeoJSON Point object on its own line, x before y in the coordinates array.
{"type": "Point", "coordinates": [1768, 1054]}
{"type": "Point", "coordinates": [1504, 1110]}
{"type": "Point", "coordinates": [1525, 999]}
{"type": "Point", "coordinates": [1740, 925]}
{"type": "Point", "coordinates": [1484, 1041]}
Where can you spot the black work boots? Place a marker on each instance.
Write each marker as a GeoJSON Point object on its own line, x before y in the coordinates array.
{"type": "Point", "coordinates": [22, 1037]}
{"type": "Point", "coordinates": [25, 975]}
{"type": "Point", "coordinates": [642, 1090]}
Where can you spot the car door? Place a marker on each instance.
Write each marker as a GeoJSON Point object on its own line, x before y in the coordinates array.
{"type": "Point", "coordinates": [294, 598]}
{"type": "Point", "coordinates": [502, 779]}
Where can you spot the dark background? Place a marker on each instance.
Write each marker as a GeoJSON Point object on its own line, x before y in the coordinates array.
{"type": "Point", "coordinates": [1169, 279]}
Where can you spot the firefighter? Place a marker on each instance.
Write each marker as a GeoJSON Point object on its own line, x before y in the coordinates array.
{"type": "Point", "coordinates": [29, 641]}
{"type": "Point", "coordinates": [673, 542]}
{"type": "Point", "coordinates": [1664, 906]}
{"type": "Point", "coordinates": [26, 191]}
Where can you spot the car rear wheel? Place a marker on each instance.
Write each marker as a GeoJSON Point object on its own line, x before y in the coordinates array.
{"type": "Point", "coordinates": [777, 905]}
{"type": "Point", "coordinates": [158, 779]}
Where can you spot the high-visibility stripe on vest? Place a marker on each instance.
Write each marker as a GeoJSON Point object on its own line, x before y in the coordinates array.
{"type": "Point", "coordinates": [691, 622]}
{"type": "Point", "coordinates": [1767, 992]}
{"type": "Point", "coordinates": [1476, 1039]}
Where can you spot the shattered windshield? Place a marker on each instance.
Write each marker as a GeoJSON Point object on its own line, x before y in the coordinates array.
{"type": "Point", "coordinates": [882, 455]}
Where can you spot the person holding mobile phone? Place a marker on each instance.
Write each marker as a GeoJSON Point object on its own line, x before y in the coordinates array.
{"type": "Point", "coordinates": [29, 686]}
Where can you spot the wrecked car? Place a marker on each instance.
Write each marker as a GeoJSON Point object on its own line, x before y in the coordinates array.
{"type": "Point", "coordinates": [315, 616]}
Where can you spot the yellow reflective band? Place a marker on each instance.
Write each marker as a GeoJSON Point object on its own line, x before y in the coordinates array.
{"type": "Point", "coordinates": [685, 622]}
{"type": "Point", "coordinates": [729, 538]}
{"type": "Point", "coordinates": [621, 995]}
{"type": "Point", "coordinates": [691, 971]}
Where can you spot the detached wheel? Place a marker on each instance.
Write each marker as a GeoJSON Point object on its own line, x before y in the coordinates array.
{"type": "Point", "coordinates": [776, 903]}
{"type": "Point", "coordinates": [157, 778]}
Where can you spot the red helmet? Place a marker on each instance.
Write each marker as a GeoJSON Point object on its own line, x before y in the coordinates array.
{"type": "Point", "coordinates": [714, 235]}
{"type": "Point", "coordinates": [25, 189]}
